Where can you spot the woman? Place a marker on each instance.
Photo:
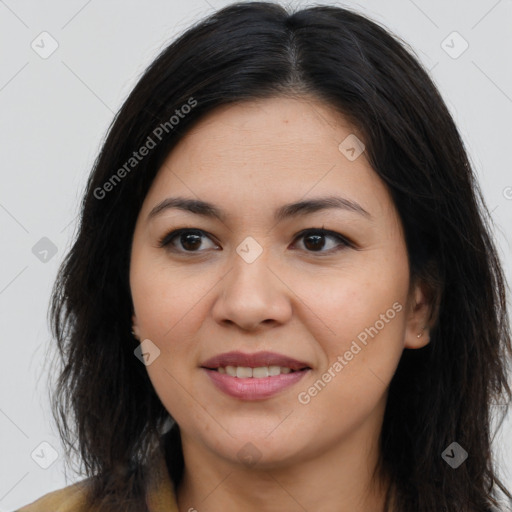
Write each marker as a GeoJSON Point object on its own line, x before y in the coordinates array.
{"type": "Point", "coordinates": [284, 293]}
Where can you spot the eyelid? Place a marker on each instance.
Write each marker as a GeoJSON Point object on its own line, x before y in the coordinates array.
{"type": "Point", "coordinates": [165, 241]}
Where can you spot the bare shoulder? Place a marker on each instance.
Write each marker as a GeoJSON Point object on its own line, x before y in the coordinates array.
{"type": "Point", "coordinates": [68, 499]}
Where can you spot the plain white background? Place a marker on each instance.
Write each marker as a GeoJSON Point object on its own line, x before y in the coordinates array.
{"type": "Point", "coordinates": [56, 110]}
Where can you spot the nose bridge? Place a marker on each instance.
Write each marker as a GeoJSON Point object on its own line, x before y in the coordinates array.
{"type": "Point", "coordinates": [251, 293]}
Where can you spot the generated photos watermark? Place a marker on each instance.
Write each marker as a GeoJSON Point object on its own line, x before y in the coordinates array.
{"type": "Point", "coordinates": [305, 397]}
{"type": "Point", "coordinates": [151, 142]}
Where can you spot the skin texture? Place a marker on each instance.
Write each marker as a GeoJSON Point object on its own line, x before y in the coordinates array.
{"type": "Point", "coordinates": [295, 299]}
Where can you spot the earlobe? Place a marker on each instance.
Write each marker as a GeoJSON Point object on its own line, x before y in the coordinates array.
{"type": "Point", "coordinates": [417, 333]}
{"type": "Point", "coordinates": [421, 339]}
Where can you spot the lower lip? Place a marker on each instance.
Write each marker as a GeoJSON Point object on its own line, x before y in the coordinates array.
{"type": "Point", "coordinates": [251, 388]}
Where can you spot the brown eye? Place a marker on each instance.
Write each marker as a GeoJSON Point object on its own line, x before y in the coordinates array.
{"type": "Point", "coordinates": [190, 241]}
{"type": "Point", "coordinates": [315, 240]}
{"type": "Point", "coordinates": [184, 240]}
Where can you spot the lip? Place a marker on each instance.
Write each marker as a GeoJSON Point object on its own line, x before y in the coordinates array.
{"type": "Point", "coordinates": [253, 388]}
{"type": "Point", "coordinates": [253, 360]}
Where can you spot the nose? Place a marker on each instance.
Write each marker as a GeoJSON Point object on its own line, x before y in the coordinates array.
{"type": "Point", "coordinates": [253, 295]}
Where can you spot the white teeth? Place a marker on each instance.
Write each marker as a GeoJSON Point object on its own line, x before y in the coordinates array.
{"type": "Point", "coordinates": [243, 372]}
{"type": "Point", "coordinates": [231, 371]}
{"type": "Point", "coordinates": [274, 370]}
{"type": "Point", "coordinates": [260, 372]}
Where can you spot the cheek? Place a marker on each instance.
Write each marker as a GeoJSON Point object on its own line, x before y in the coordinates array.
{"type": "Point", "coordinates": [167, 301]}
{"type": "Point", "coordinates": [361, 309]}
{"type": "Point", "coordinates": [169, 308]}
{"type": "Point", "coordinates": [361, 354]}
{"type": "Point", "coordinates": [350, 299]}
{"type": "Point", "coordinates": [365, 305]}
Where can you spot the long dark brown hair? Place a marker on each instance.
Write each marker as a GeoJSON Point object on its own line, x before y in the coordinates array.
{"type": "Point", "coordinates": [107, 411]}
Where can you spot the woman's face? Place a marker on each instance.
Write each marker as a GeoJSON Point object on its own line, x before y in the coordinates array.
{"type": "Point", "coordinates": [258, 286]}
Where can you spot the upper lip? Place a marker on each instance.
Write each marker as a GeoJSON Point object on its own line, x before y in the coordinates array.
{"type": "Point", "coordinates": [256, 360]}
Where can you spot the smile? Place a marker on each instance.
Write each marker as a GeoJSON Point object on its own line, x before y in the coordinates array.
{"type": "Point", "coordinates": [256, 373]}
{"type": "Point", "coordinates": [254, 376]}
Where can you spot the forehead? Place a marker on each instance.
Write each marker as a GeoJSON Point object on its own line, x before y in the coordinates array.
{"type": "Point", "coordinates": [273, 150]}
{"type": "Point", "coordinates": [283, 128]}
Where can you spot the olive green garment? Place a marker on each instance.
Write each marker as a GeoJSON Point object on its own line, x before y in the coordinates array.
{"type": "Point", "coordinates": [160, 495]}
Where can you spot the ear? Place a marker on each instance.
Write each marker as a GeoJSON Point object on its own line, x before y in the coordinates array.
{"type": "Point", "coordinates": [419, 316]}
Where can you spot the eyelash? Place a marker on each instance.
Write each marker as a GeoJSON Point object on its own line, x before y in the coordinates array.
{"type": "Point", "coordinates": [166, 240]}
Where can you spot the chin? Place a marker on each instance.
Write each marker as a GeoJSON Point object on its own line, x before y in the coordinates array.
{"type": "Point", "coordinates": [261, 451]}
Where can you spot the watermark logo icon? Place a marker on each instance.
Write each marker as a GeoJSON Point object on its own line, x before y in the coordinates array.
{"type": "Point", "coordinates": [44, 45]}
{"type": "Point", "coordinates": [249, 454]}
{"type": "Point", "coordinates": [147, 352]}
{"type": "Point", "coordinates": [352, 147]}
{"type": "Point", "coordinates": [44, 250]}
{"type": "Point", "coordinates": [454, 45]}
{"type": "Point", "coordinates": [44, 455]}
{"type": "Point", "coordinates": [454, 455]}
{"type": "Point", "coordinates": [249, 249]}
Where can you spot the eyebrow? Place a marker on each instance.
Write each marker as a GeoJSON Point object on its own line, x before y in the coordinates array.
{"type": "Point", "coordinates": [286, 211]}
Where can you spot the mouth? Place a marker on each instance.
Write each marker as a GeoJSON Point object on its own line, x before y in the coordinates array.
{"type": "Point", "coordinates": [260, 372]}
{"type": "Point", "coordinates": [254, 376]}
{"type": "Point", "coordinates": [257, 365]}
